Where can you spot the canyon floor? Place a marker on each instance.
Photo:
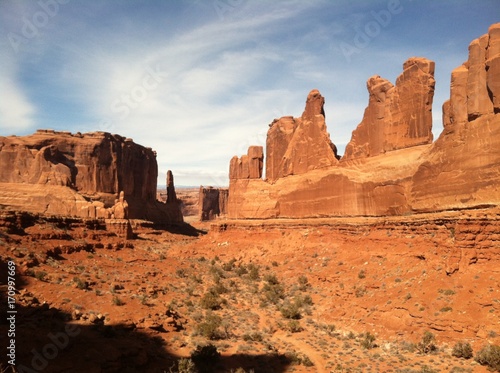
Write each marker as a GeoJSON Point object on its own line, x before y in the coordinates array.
{"type": "Point", "coordinates": [317, 295]}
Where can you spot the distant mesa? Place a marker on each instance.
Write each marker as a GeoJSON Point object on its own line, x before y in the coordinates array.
{"type": "Point", "coordinates": [390, 166]}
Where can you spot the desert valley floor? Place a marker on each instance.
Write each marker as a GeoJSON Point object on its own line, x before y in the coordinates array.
{"type": "Point", "coordinates": [319, 295]}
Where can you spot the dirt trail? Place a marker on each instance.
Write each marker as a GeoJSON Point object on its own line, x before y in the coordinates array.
{"type": "Point", "coordinates": [281, 337]}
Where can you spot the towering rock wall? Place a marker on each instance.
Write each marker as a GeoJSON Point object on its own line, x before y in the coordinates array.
{"type": "Point", "coordinates": [462, 169]}
{"type": "Point", "coordinates": [399, 116]}
{"type": "Point", "coordinates": [91, 168]}
{"type": "Point", "coordinates": [391, 166]}
{"type": "Point", "coordinates": [247, 166]}
{"type": "Point", "coordinates": [212, 202]}
{"type": "Point", "coordinates": [90, 163]}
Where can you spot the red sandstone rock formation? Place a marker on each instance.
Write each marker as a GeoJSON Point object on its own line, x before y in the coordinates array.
{"type": "Point", "coordinates": [80, 175]}
{"type": "Point", "coordinates": [297, 145]}
{"type": "Point", "coordinates": [120, 209]}
{"type": "Point", "coordinates": [390, 167]}
{"type": "Point", "coordinates": [462, 169]}
{"type": "Point", "coordinates": [212, 202]}
{"type": "Point", "coordinates": [249, 166]}
{"type": "Point", "coordinates": [171, 196]}
{"type": "Point", "coordinates": [397, 117]}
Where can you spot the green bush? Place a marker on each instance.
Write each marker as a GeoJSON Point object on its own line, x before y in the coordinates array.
{"type": "Point", "coordinates": [186, 366]}
{"type": "Point", "coordinates": [117, 301]}
{"type": "Point", "coordinates": [294, 326]}
{"type": "Point", "coordinates": [211, 301]}
{"type": "Point", "coordinates": [205, 357]}
{"type": "Point", "coordinates": [290, 311]}
{"type": "Point", "coordinates": [273, 292]}
{"type": "Point", "coordinates": [368, 341]}
{"type": "Point", "coordinates": [462, 350]}
{"type": "Point", "coordinates": [253, 271]}
{"type": "Point", "coordinates": [427, 344]}
{"type": "Point", "coordinates": [489, 355]}
{"type": "Point", "coordinates": [210, 327]}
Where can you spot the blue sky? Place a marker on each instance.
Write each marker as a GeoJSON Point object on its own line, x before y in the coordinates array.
{"type": "Point", "coordinates": [199, 81]}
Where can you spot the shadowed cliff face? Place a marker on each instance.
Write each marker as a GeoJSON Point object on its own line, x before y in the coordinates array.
{"type": "Point", "coordinates": [391, 166]}
{"type": "Point", "coordinates": [81, 175]}
{"type": "Point", "coordinates": [89, 163]}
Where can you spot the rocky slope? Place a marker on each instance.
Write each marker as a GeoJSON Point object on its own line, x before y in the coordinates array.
{"type": "Point", "coordinates": [391, 166]}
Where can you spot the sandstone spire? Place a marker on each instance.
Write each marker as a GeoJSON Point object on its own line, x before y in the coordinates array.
{"type": "Point", "coordinates": [171, 196]}
{"type": "Point", "coordinates": [399, 116]}
{"type": "Point", "coordinates": [297, 145]}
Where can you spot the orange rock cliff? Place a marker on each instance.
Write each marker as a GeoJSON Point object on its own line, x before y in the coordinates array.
{"type": "Point", "coordinates": [59, 173]}
{"type": "Point", "coordinates": [391, 166]}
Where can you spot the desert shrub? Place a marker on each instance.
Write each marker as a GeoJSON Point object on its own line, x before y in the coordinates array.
{"type": "Point", "coordinates": [273, 292]}
{"type": "Point", "coordinates": [362, 274]}
{"type": "Point", "coordinates": [368, 341]}
{"type": "Point", "coordinates": [117, 301]}
{"type": "Point", "coordinates": [185, 366]}
{"type": "Point", "coordinates": [294, 326]}
{"type": "Point", "coordinates": [181, 273]}
{"type": "Point", "coordinates": [205, 357]}
{"type": "Point", "coordinates": [80, 284]}
{"type": "Point", "coordinates": [254, 337]}
{"type": "Point", "coordinates": [241, 270]}
{"type": "Point", "coordinates": [218, 288]}
{"type": "Point", "coordinates": [303, 283]}
{"type": "Point", "coordinates": [211, 301]}
{"type": "Point", "coordinates": [297, 359]}
{"type": "Point", "coordinates": [253, 272]}
{"type": "Point", "coordinates": [489, 355]}
{"type": "Point", "coordinates": [271, 279]}
{"type": "Point", "coordinates": [40, 275]}
{"type": "Point", "coordinates": [446, 291]}
{"type": "Point", "coordinates": [305, 300]}
{"type": "Point", "coordinates": [229, 266]}
{"type": "Point", "coordinates": [359, 291]}
{"type": "Point", "coordinates": [427, 344]}
{"type": "Point", "coordinates": [290, 311]}
{"type": "Point", "coordinates": [210, 327]}
{"type": "Point", "coordinates": [462, 350]}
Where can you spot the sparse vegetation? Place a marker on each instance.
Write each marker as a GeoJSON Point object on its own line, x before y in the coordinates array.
{"type": "Point", "coordinates": [205, 357]}
{"type": "Point", "coordinates": [489, 355]}
{"type": "Point", "coordinates": [117, 301]}
{"type": "Point", "coordinates": [462, 350]}
{"type": "Point", "coordinates": [427, 344]}
{"type": "Point", "coordinates": [368, 341]}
